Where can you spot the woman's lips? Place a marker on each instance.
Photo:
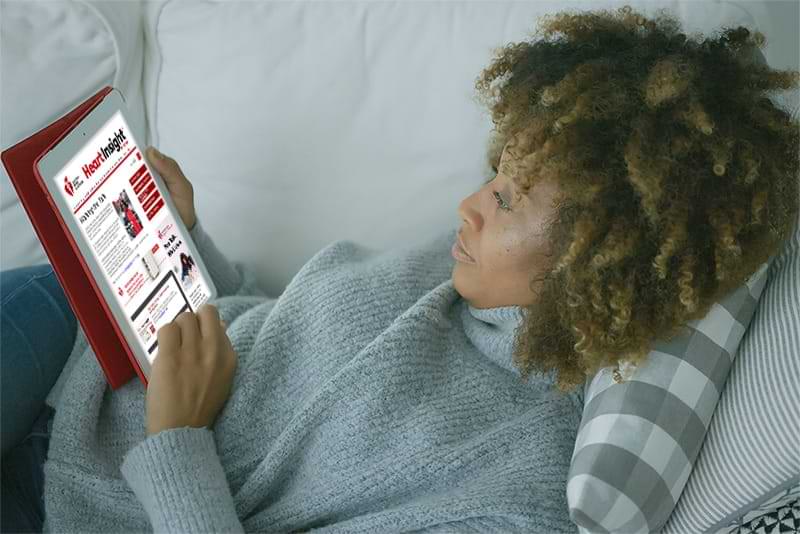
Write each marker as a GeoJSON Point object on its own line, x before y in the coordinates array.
{"type": "Point", "coordinates": [459, 252]}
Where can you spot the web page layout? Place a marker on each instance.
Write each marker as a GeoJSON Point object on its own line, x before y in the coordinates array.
{"type": "Point", "coordinates": [122, 215]}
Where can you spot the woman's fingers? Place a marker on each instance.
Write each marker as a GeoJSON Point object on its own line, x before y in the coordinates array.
{"type": "Point", "coordinates": [169, 337]}
{"type": "Point", "coordinates": [167, 167]}
{"type": "Point", "coordinates": [180, 188]}
{"type": "Point", "coordinates": [209, 320]}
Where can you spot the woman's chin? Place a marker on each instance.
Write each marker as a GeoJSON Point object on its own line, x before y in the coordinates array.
{"type": "Point", "coordinates": [459, 284]}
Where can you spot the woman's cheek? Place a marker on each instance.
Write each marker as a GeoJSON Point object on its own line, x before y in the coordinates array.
{"type": "Point", "coordinates": [511, 243]}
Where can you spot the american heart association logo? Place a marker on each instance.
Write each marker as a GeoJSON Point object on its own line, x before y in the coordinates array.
{"type": "Point", "coordinates": [68, 186]}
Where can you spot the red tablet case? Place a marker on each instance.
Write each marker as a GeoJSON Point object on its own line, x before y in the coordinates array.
{"type": "Point", "coordinates": [101, 329]}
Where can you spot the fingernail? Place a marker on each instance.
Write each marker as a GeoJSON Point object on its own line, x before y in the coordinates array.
{"type": "Point", "coordinates": [156, 153]}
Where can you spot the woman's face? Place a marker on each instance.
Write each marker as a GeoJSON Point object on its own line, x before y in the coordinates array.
{"type": "Point", "coordinates": [507, 247]}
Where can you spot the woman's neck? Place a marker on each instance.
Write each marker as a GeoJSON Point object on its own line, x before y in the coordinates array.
{"type": "Point", "coordinates": [492, 331]}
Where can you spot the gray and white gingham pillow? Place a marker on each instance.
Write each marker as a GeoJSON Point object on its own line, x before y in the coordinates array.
{"type": "Point", "coordinates": [638, 440]}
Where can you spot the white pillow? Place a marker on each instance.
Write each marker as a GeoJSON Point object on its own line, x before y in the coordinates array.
{"type": "Point", "coordinates": [55, 55]}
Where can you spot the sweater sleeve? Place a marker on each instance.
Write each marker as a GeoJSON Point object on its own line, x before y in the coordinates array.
{"type": "Point", "coordinates": [177, 476]}
{"type": "Point", "coordinates": [230, 277]}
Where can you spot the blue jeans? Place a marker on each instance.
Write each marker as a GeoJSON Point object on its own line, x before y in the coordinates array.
{"type": "Point", "coordinates": [37, 333]}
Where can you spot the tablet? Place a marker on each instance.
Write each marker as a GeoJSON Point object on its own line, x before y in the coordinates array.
{"type": "Point", "coordinates": [124, 224]}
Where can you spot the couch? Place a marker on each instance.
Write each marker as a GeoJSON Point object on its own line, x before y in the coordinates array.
{"type": "Point", "coordinates": [298, 123]}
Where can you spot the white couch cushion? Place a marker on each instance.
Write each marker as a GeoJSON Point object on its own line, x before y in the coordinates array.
{"type": "Point", "coordinates": [55, 55]}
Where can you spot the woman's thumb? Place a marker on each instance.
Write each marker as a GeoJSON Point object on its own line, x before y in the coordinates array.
{"type": "Point", "coordinates": [166, 168]}
{"type": "Point", "coordinates": [155, 156]}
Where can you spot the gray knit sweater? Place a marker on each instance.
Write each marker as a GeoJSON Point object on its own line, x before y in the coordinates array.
{"type": "Point", "coordinates": [368, 397]}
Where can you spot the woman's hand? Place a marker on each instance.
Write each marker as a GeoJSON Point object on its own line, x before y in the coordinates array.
{"type": "Point", "coordinates": [180, 188]}
{"type": "Point", "coordinates": [192, 374]}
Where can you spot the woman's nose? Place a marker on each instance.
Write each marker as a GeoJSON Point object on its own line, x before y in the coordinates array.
{"type": "Point", "coordinates": [469, 212]}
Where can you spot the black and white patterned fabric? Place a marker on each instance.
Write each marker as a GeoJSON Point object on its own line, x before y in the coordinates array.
{"type": "Point", "coordinates": [780, 515]}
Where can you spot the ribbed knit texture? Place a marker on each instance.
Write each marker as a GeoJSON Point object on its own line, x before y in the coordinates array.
{"type": "Point", "coordinates": [368, 397]}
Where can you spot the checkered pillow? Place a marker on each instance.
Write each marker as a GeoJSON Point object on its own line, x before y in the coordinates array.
{"type": "Point", "coordinates": [638, 440]}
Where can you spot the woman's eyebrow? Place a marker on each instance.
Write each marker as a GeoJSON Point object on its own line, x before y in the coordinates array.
{"type": "Point", "coordinates": [507, 192]}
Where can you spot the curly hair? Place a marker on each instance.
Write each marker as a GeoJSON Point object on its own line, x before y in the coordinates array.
{"type": "Point", "coordinates": [679, 177]}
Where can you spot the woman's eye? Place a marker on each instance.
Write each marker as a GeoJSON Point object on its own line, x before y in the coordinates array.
{"type": "Point", "coordinates": [500, 202]}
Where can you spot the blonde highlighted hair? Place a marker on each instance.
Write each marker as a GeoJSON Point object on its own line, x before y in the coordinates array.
{"type": "Point", "coordinates": [679, 177]}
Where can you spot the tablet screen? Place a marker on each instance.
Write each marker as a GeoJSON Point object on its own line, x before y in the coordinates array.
{"type": "Point", "coordinates": [132, 234]}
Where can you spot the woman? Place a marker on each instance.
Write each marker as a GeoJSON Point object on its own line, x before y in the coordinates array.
{"type": "Point", "coordinates": [640, 177]}
{"type": "Point", "coordinates": [186, 266]}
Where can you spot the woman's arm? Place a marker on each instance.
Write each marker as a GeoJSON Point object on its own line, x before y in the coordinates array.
{"type": "Point", "coordinates": [177, 476]}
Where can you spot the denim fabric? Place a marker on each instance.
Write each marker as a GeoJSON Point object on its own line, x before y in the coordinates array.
{"type": "Point", "coordinates": [37, 332]}
{"type": "Point", "coordinates": [22, 478]}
